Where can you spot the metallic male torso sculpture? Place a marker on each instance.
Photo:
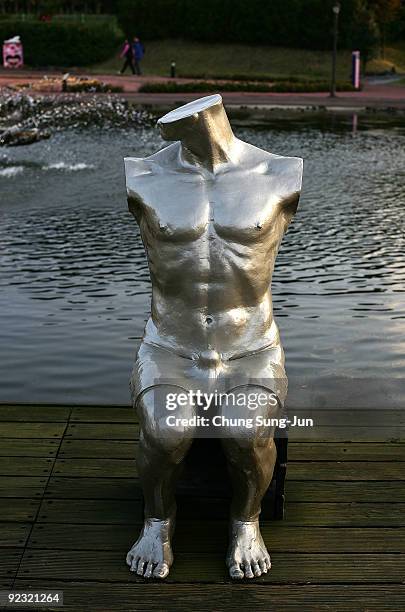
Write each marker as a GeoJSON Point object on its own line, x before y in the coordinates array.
{"type": "Point", "coordinates": [212, 211]}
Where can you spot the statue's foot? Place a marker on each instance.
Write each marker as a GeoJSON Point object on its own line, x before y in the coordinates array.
{"type": "Point", "coordinates": [247, 554]}
{"type": "Point", "coordinates": [151, 556]}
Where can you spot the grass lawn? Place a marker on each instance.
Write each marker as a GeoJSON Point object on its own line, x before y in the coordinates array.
{"type": "Point", "coordinates": [209, 60]}
{"type": "Point", "coordinates": [394, 56]}
{"type": "Point", "coordinates": [199, 59]}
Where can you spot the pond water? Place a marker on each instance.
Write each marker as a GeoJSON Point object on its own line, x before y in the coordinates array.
{"type": "Point", "coordinates": [74, 282]}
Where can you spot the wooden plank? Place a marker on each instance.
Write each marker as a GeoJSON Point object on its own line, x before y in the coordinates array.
{"type": "Point", "coordinates": [93, 488]}
{"type": "Point", "coordinates": [9, 561]}
{"type": "Point", "coordinates": [347, 470]}
{"type": "Point", "coordinates": [100, 414]}
{"type": "Point", "coordinates": [343, 417]}
{"type": "Point", "coordinates": [138, 596]}
{"type": "Point", "coordinates": [297, 451]}
{"type": "Point", "coordinates": [129, 431]}
{"type": "Point", "coordinates": [297, 568]}
{"type": "Point", "coordinates": [30, 413]}
{"type": "Point", "coordinates": [114, 468]}
{"type": "Point", "coordinates": [340, 451]}
{"type": "Point", "coordinates": [97, 413]}
{"type": "Point", "coordinates": [25, 466]}
{"type": "Point", "coordinates": [18, 510]}
{"type": "Point", "coordinates": [348, 434]}
{"type": "Point", "coordinates": [14, 535]}
{"type": "Point", "coordinates": [340, 491]}
{"type": "Point", "coordinates": [103, 431]}
{"type": "Point", "coordinates": [82, 487]}
{"type": "Point", "coordinates": [98, 449]}
{"type": "Point", "coordinates": [90, 511]}
{"type": "Point", "coordinates": [22, 486]}
{"type": "Point", "coordinates": [347, 417]}
{"type": "Point", "coordinates": [296, 491]}
{"type": "Point", "coordinates": [211, 536]}
{"type": "Point", "coordinates": [31, 430]}
{"type": "Point", "coordinates": [346, 514]}
{"type": "Point", "coordinates": [305, 513]}
{"type": "Point", "coordinates": [301, 513]}
{"type": "Point", "coordinates": [28, 447]}
{"type": "Point", "coordinates": [325, 470]}
{"type": "Point", "coordinates": [329, 434]}
{"type": "Point", "coordinates": [6, 583]}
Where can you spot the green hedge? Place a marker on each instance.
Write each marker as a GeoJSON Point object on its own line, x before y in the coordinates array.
{"type": "Point", "coordinates": [211, 86]}
{"type": "Point", "coordinates": [62, 44]}
{"type": "Point", "coordinates": [241, 76]}
{"type": "Point", "coordinates": [292, 23]}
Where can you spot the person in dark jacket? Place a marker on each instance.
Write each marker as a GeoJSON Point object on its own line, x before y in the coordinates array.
{"type": "Point", "coordinates": [138, 52]}
{"type": "Point", "coordinates": [127, 52]}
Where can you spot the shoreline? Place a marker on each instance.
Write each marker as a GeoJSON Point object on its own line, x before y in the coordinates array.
{"type": "Point", "coordinates": [373, 98]}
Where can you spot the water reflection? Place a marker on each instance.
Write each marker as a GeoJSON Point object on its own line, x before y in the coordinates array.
{"type": "Point", "coordinates": [74, 280]}
{"type": "Point", "coordinates": [355, 121]}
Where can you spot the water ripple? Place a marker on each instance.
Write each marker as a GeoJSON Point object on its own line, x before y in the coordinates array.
{"type": "Point", "coordinates": [74, 281]}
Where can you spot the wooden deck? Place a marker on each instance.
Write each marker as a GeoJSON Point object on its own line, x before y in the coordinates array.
{"type": "Point", "coordinates": [70, 508]}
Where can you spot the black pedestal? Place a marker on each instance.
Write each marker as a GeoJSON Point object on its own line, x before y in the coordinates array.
{"type": "Point", "coordinates": [205, 477]}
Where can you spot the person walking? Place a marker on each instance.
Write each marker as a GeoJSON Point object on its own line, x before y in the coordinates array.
{"type": "Point", "coordinates": [138, 53]}
{"type": "Point", "coordinates": [127, 52]}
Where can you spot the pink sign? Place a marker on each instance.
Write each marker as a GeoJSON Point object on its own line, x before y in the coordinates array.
{"type": "Point", "coordinates": [13, 53]}
{"type": "Point", "coordinates": [356, 69]}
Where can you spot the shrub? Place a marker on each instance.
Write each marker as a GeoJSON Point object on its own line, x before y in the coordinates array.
{"type": "Point", "coordinates": [91, 86]}
{"type": "Point", "coordinates": [212, 86]}
{"type": "Point", "coordinates": [62, 43]}
{"type": "Point", "coordinates": [238, 77]}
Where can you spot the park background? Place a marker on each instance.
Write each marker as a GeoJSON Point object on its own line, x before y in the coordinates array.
{"type": "Point", "coordinates": [215, 38]}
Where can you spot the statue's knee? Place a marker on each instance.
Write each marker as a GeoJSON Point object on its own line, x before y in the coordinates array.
{"type": "Point", "coordinates": [251, 416]}
{"type": "Point", "coordinates": [161, 432]}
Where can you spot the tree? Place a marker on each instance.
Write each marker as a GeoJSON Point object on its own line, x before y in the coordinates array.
{"type": "Point", "coordinates": [385, 12]}
{"type": "Point", "coordinates": [365, 32]}
{"type": "Point", "coordinates": [50, 7]}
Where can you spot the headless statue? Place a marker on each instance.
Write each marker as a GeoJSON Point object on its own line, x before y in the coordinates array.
{"type": "Point", "coordinates": [212, 211]}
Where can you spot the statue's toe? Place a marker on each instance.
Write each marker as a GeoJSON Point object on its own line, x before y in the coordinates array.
{"type": "Point", "coordinates": [149, 570]}
{"type": "Point", "coordinates": [132, 561]}
{"type": "Point", "coordinates": [248, 570]}
{"type": "Point", "coordinates": [256, 569]}
{"type": "Point", "coordinates": [236, 572]}
{"type": "Point", "coordinates": [161, 570]}
{"type": "Point", "coordinates": [141, 564]}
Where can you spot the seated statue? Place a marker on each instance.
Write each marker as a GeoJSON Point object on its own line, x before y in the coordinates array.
{"type": "Point", "coordinates": [212, 211]}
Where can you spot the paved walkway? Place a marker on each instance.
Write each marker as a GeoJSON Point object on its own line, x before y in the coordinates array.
{"type": "Point", "coordinates": [376, 96]}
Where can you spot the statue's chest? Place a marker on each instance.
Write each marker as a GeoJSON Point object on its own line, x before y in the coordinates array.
{"type": "Point", "coordinates": [241, 208]}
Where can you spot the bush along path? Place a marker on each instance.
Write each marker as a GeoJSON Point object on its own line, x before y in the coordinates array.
{"type": "Point", "coordinates": [283, 86]}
